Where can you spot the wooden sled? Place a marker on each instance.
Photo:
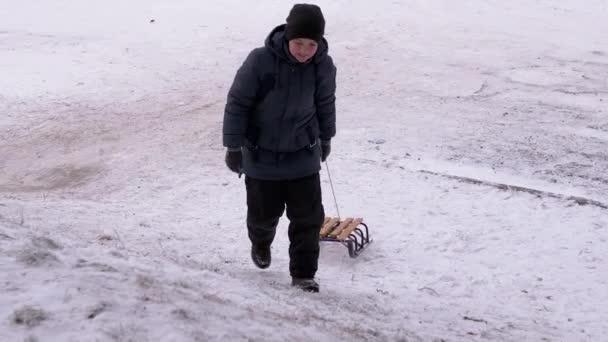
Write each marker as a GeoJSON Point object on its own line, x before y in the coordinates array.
{"type": "Point", "coordinates": [351, 232]}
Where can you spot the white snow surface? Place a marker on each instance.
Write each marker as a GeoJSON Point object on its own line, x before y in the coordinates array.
{"type": "Point", "coordinates": [472, 138]}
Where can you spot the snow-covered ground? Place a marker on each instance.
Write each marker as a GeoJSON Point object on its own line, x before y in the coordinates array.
{"type": "Point", "coordinates": [472, 137]}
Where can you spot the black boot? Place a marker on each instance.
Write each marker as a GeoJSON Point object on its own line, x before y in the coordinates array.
{"type": "Point", "coordinates": [260, 256]}
{"type": "Point", "coordinates": [305, 284]}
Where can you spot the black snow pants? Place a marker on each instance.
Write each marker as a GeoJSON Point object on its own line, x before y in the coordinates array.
{"type": "Point", "coordinates": [266, 202]}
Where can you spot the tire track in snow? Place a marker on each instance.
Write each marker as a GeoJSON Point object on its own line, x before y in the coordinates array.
{"type": "Point", "coordinates": [540, 193]}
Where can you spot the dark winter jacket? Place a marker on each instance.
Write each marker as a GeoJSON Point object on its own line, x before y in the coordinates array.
{"type": "Point", "coordinates": [278, 109]}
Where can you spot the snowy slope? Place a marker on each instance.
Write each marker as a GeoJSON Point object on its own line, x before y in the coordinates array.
{"type": "Point", "coordinates": [472, 136]}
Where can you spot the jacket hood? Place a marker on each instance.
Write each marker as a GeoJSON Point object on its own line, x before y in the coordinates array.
{"type": "Point", "coordinates": [276, 43]}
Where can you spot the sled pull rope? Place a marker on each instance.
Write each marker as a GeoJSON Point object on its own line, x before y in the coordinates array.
{"type": "Point", "coordinates": [332, 189]}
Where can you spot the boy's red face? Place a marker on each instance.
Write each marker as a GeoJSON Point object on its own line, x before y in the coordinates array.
{"type": "Point", "coordinates": [303, 49]}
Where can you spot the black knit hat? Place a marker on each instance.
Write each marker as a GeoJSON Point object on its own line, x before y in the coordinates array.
{"type": "Point", "coordinates": [305, 21]}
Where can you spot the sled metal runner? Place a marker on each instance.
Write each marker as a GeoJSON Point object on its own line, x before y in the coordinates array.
{"type": "Point", "coordinates": [350, 232]}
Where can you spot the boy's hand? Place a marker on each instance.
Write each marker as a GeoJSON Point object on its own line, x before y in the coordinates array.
{"type": "Point", "coordinates": [325, 149]}
{"type": "Point", "coordinates": [234, 160]}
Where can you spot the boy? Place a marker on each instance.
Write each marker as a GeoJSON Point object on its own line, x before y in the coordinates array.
{"type": "Point", "coordinates": [278, 123]}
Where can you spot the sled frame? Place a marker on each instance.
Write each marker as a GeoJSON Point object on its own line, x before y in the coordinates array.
{"type": "Point", "coordinates": [350, 232]}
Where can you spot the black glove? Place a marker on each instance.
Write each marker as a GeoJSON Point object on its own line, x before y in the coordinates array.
{"type": "Point", "coordinates": [325, 149]}
{"type": "Point", "coordinates": [234, 160]}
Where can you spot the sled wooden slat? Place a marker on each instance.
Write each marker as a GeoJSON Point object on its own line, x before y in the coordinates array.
{"type": "Point", "coordinates": [341, 227]}
{"type": "Point", "coordinates": [346, 232]}
{"type": "Point", "coordinates": [328, 225]}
